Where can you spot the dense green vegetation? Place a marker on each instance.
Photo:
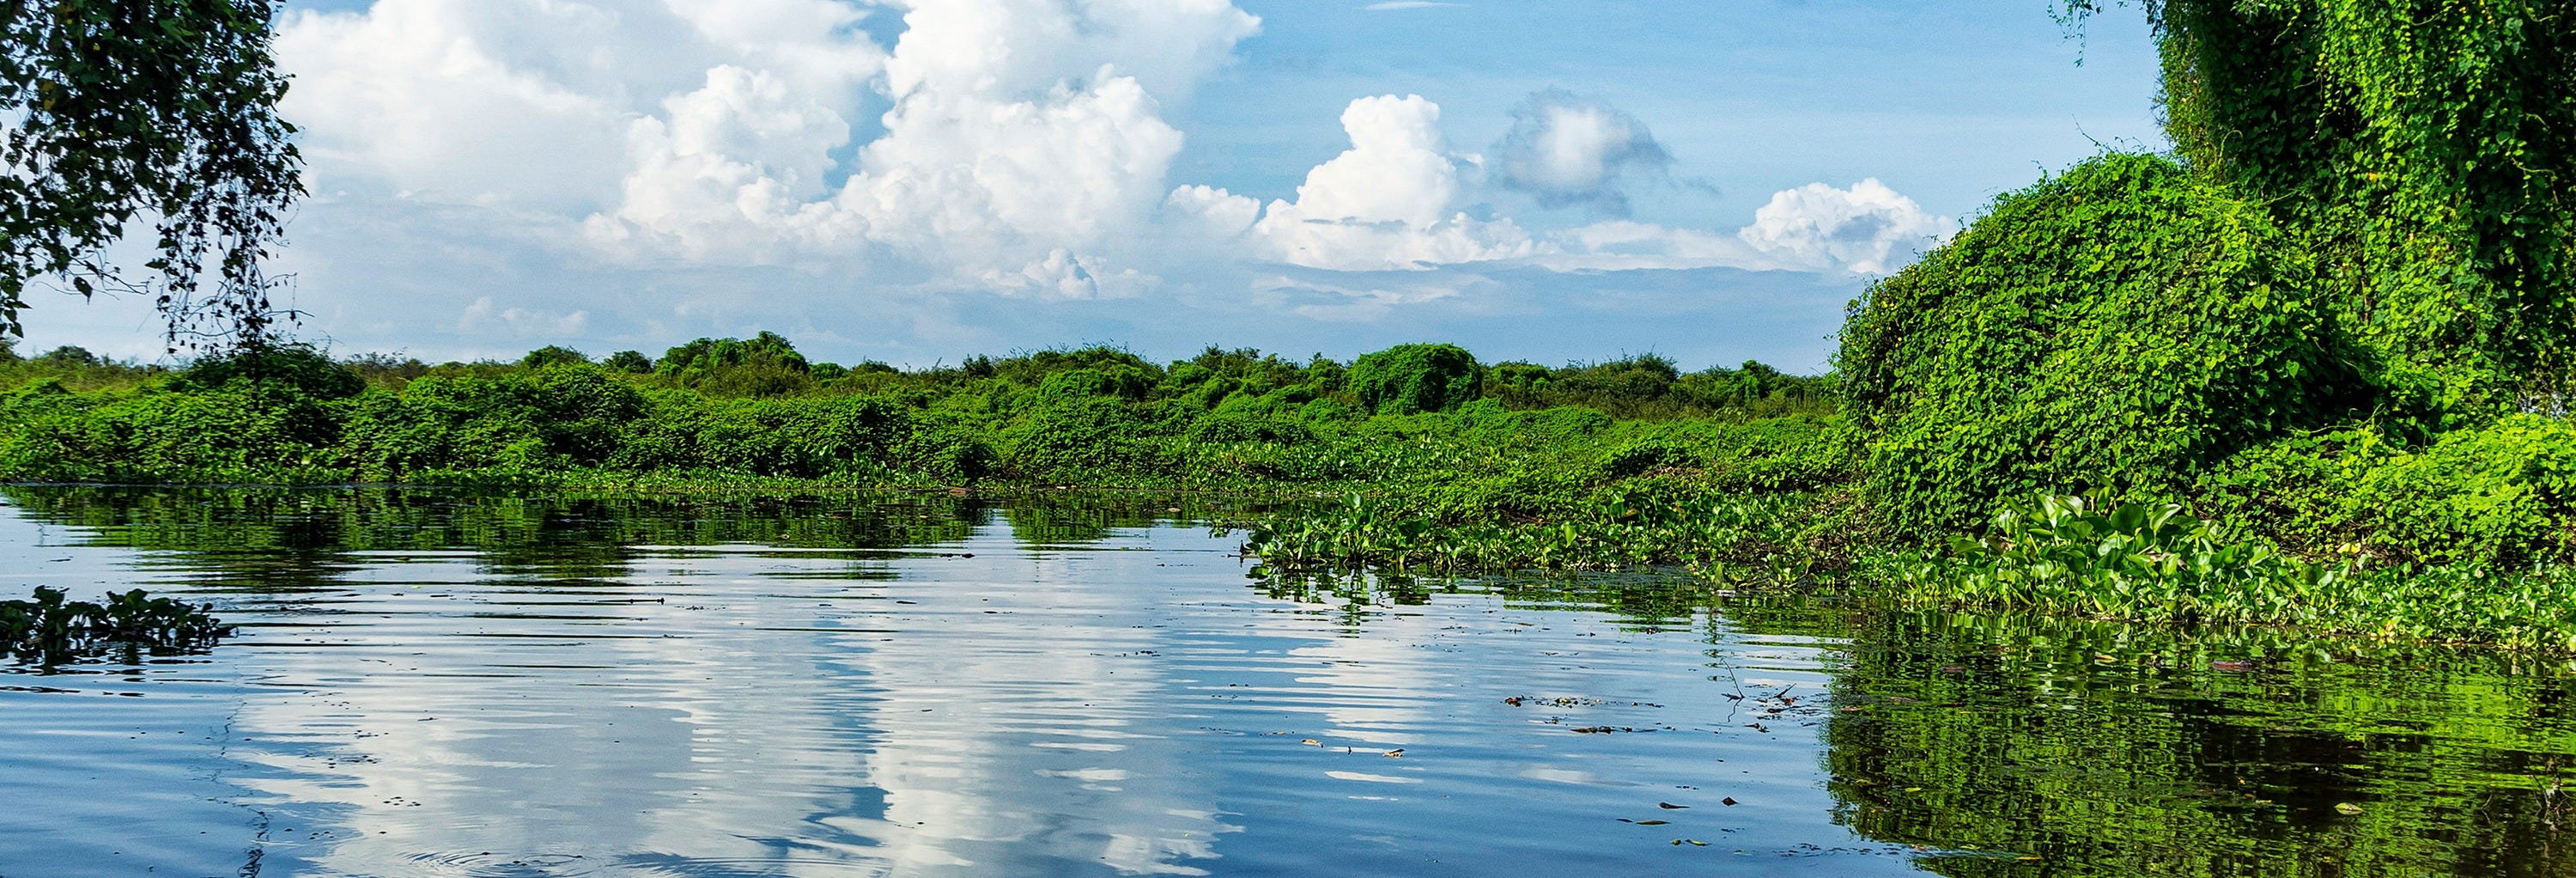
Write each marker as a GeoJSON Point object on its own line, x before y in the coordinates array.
{"type": "Point", "coordinates": [727, 410]}
{"type": "Point", "coordinates": [2120, 327]}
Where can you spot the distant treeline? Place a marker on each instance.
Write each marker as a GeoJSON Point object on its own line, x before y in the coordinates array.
{"type": "Point", "coordinates": [1646, 385]}
{"type": "Point", "coordinates": [758, 408]}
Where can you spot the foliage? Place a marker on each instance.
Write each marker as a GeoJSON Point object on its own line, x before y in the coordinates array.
{"type": "Point", "coordinates": [2115, 328]}
{"type": "Point", "coordinates": [1481, 490]}
{"type": "Point", "coordinates": [552, 355]}
{"type": "Point", "coordinates": [2500, 495]}
{"type": "Point", "coordinates": [1413, 378]}
{"type": "Point", "coordinates": [764, 365]}
{"type": "Point", "coordinates": [2095, 558]}
{"type": "Point", "coordinates": [1070, 437]}
{"type": "Point", "coordinates": [119, 110]}
{"type": "Point", "coordinates": [630, 362]}
{"type": "Point", "coordinates": [49, 630]}
{"type": "Point", "coordinates": [301, 366]}
{"type": "Point", "coordinates": [2155, 564]}
{"type": "Point", "coordinates": [1652, 386]}
{"type": "Point", "coordinates": [2419, 148]}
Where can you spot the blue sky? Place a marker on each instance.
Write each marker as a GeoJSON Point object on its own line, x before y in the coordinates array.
{"type": "Point", "coordinates": [920, 181]}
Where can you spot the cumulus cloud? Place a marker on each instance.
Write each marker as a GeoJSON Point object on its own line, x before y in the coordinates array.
{"type": "Point", "coordinates": [1568, 150]}
{"type": "Point", "coordinates": [1019, 147]}
{"type": "Point", "coordinates": [1867, 229]}
{"type": "Point", "coordinates": [1386, 203]}
{"type": "Point", "coordinates": [1017, 136]}
{"type": "Point", "coordinates": [1003, 161]}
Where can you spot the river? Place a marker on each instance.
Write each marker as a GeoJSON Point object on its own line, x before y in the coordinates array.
{"type": "Point", "coordinates": [442, 683]}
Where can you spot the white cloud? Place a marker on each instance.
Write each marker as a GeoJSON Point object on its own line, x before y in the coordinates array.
{"type": "Point", "coordinates": [1018, 147]}
{"type": "Point", "coordinates": [1210, 211]}
{"type": "Point", "coordinates": [1355, 303]}
{"type": "Point", "coordinates": [1867, 229]}
{"type": "Point", "coordinates": [1622, 245]}
{"type": "Point", "coordinates": [485, 316]}
{"type": "Point", "coordinates": [1567, 150]}
{"type": "Point", "coordinates": [1387, 202]}
{"type": "Point", "coordinates": [435, 97]}
{"type": "Point", "coordinates": [1019, 136]}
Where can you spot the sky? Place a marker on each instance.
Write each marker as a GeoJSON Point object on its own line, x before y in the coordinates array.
{"type": "Point", "coordinates": [917, 181]}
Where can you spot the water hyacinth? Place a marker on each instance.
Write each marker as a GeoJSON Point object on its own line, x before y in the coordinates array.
{"type": "Point", "coordinates": [2155, 563]}
{"type": "Point", "coordinates": [50, 629]}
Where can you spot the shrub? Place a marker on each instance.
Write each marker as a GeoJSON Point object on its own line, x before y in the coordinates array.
{"type": "Point", "coordinates": [2114, 328]}
{"type": "Point", "coordinates": [1073, 438]}
{"type": "Point", "coordinates": [1417, 378]}
{"type": "Point", "coordinates": [630, 362]}
{"type": "Point", "coordinates": [552, 355]}
{"type": "Point", "coordinates": [1117, 381]}
{"type": "Point", "coordinates": [2499, 495]}
{"type": "Point", "coordinates": [764, 365]}
{"type": "Point", "coordinates": [301, 366]}
{"type": "Point", "coordinates": [239, 432]}
{"type": "Point", "coordinates": [2422, 151]}
{"type": "Point", "coordinates": [548, 418]}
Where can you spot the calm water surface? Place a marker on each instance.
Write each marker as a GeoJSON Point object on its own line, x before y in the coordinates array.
{"type": "Point", "coordinates": [451, 684]}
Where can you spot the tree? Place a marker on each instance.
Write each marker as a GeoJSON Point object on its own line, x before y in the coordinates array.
{"type": "Point", "coordinates": [763, 365]}
{"type": "Point", "coordinates": [2422, 148]}
{"type": "Point", "coordinates": [629, 361]}
{"type": "Point", "coordinates": [159, 111]}
{"type": "Point", "coordinates": [1410, 378]}
{"type": "Point", "coordinates": [551, 355]}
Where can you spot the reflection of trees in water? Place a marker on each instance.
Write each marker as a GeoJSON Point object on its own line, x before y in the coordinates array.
{"type": "Point", "coordinates": [289, 539]}
{"type": "Point", "coordinates": [2115, 751]}
{"type": "Point", "coordinates": [1639, 602]}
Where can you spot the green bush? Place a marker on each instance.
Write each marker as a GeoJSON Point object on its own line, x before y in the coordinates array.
{"type": "Point", "coordinates": [1114, 381]}
{"type": "Point", "coordinates": [762, 366]}
{"type": "Point", "coordinates": [303, 367]}
{"type": "Point", "coordinates": [238, 432]}
{"type": "Point", "coordinates": [2116, 328]}
{"type": "Point", "coordinates": [1417, 378]}
{"type": "Point", "coordinates": [630, 362]}
{"type": "Point", "coordinates": [2153, 563]}
{"type": "Point", "coordinates": [552, 355]}
{"type": "Point", "coordinates": [555, 417]}
{"type": "Point", "coordinates": [1079, 438]}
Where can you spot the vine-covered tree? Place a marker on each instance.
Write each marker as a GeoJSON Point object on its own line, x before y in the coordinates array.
{"type": "Point", "coordinates": [119, 113]}
{"type": "Point", "coordinates": [2425, 150]}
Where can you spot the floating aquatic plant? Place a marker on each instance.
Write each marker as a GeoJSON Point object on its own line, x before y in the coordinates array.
{"type": "Point", "coordinates": [50, 629]}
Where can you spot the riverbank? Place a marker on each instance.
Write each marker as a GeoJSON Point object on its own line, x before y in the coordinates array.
{"type": "Point", "coordinates": [1447, 470]}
